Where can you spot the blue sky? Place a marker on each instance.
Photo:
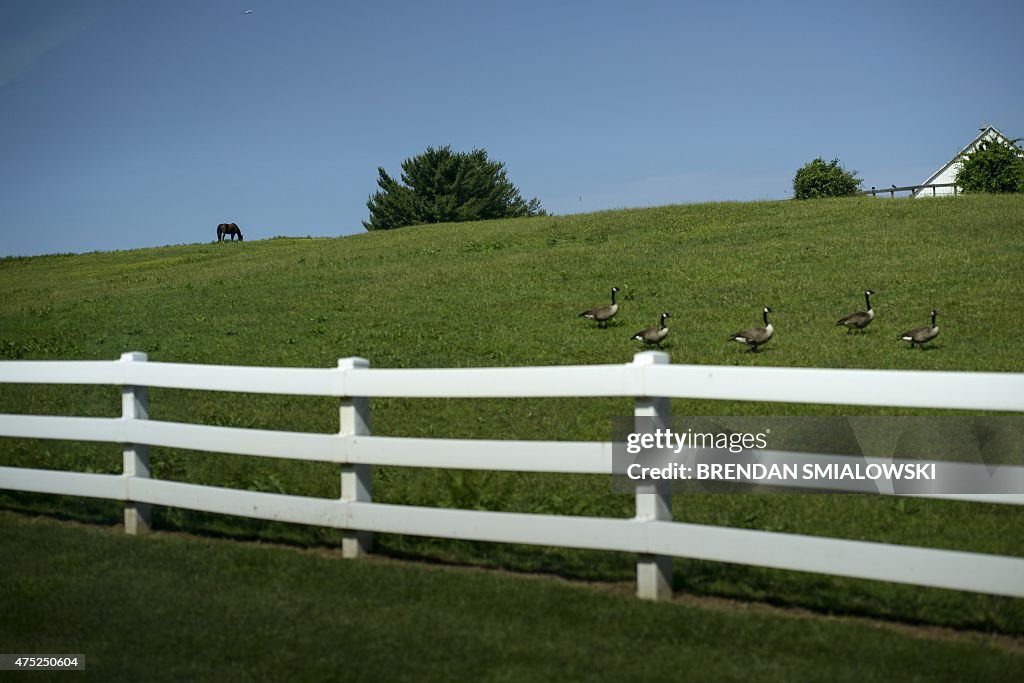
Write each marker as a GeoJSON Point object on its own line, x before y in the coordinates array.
{"type": "Point", "coordinates": [127, 124]}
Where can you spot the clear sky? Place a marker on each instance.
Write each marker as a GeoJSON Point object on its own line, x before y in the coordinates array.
{"type": "Point", "coordinates": [137, 123]}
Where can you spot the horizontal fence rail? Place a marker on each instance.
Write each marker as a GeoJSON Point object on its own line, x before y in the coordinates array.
{"type": "Point", "coordinates": [892, 388]}
{"type": "Point", "coordinates": [565, 457]}
{"type": "Point", "coordinates": [857, 559]}
{"type": "Point", "coordinates": [650, 534]}
{"type": "Point", "coordinates": [914, 190]}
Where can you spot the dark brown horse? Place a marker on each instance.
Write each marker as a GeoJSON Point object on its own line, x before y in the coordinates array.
{"type": "Point", "coordinates": [228, 229]}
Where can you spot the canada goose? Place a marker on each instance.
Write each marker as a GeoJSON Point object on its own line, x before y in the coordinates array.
{"type": "Point", "coordinates": [602, 314]}
{"type": "Point", "coordinates": [860, 319]}
{"type": "Point", "coordinates": [755, 336]}
{"type": "Point", "coordinates": [655, 334]}
{"type": "Point", "coordinates": [922, 335]}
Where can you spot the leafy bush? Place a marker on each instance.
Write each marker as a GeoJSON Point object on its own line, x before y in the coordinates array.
{"type": "Point", "coordinates": [820, 179]}
{"type": "Point", "coordinates": [993, 166]}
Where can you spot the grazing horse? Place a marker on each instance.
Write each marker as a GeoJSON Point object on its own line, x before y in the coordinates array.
{"type": "Point", "coordinates": [228, 229]}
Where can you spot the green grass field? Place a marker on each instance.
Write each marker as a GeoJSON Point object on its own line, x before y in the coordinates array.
{"type": "Point", "coordinates": [172, 608]}
{"type": "Point", "coordinates": [507, 293]}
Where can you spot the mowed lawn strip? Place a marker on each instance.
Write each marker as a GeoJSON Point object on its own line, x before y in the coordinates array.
{"type": "Point", "coordinates": [179, 608]}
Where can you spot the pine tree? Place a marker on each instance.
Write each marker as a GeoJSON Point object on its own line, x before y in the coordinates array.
{"type": "Point", "coordinates": [441, 186]}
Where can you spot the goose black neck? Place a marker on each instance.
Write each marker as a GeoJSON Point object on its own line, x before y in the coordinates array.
{"type": "Point", "coordinates": [613, 297]}
{"type": "Point", "coordinates": [663, 317]}
{"type": "Point", "coordinates": [765, 318]}
{"type": "Point", "coordinates": [867, 298]}
{"type": "Point", "coordinates": [933, 318]}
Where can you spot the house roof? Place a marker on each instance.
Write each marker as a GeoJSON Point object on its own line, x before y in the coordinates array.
{"type": "Point", "coordinates": [986, 132]}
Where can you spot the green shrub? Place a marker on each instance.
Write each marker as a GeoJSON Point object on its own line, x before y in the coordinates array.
{"type": "Point", "coordinates": [993, 166]}
{"type": "Point", "coordinates": [824, 179]}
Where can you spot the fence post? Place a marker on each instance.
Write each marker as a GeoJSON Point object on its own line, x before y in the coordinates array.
{"type": "Point", "coordinates": [356, 480]}
{"type": "Point", "coordinates": [138, 517]}
{"type": "Point", "coordinates": [653, 499]}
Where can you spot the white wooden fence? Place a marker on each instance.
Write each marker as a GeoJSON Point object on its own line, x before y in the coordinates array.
{"type": "Point", "coordinates": [650, 533]}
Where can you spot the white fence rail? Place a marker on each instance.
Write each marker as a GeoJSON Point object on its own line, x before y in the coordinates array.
{"type": "Point", "coordinates": [649, 379]}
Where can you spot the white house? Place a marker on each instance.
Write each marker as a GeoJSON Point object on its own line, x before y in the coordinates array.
{"type": "Point", "coordinates": [947, 173]}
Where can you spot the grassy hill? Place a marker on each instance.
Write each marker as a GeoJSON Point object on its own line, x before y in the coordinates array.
{"type": "Point", "coordinates": [507, 293]}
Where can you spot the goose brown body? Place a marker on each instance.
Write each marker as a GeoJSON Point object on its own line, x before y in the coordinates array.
{"type": "Point", "coordinates": [755, 336]}
{"type": "Point", "coordinates": [654, 334]}
{"type": "Point", "coordinates": [860, 319]}
{"type": "Point", "coordinates": [602, 314]}
{"type": "Point", "coordinates": [922, 335]}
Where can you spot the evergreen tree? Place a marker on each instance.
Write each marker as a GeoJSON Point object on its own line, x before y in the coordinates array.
{"type": "Point", "coordinates": [442, 186]}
